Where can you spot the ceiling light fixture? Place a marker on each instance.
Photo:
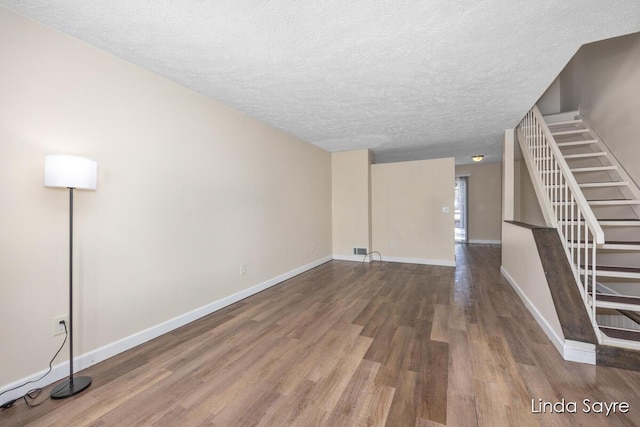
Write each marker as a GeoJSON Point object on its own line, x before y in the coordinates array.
{"type": "Point", "coordinates": [477, 158]}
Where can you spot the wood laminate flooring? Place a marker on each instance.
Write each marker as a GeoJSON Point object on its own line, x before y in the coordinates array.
{"type": "Point", "coordinates": [351, 344]}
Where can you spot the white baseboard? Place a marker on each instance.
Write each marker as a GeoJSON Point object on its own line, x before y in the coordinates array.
{"type": "Point", "coordinates": [485, 242]}
{"type": "Point", "coordinates": [581, 352]}
{"type": "Point", "coordinates": [358, 258]}
{"type": "Point", "coordinates": [86, 360]}
{"type": "Point", "coordinates": [423, 261]}
{"type": "Point", "coordinates": [375, 257]}
{"type": "Point", "coordinates": [572, 351]}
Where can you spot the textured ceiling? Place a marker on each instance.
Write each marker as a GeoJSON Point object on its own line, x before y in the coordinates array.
{"type": "Point", "coordinates": [407, 79]}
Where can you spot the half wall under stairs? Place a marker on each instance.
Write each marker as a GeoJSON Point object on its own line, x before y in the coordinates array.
{"type": "Point", "coordinates": [578, 341]}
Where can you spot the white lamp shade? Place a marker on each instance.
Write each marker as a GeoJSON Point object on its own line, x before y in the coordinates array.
{"type": "Point", "coordinates": [70, 172]}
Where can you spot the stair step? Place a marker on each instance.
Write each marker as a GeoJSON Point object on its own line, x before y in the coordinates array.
{"type": "Point", "coordinates": [570, 132]}
{"type": "Point", "coordinates": [594, 169]}
{"type": "Point", "coordinates": [565, 115]}
{"type": "Point", "coordinates": [619, 222]}
{"type": "Point", "coordinates": [610, 245]}
{"type": "Point", "coordinates": [619, 202]}
{"type": "Point", "coordinates": [618, 353]}
{"type": "Point", "coordinates": [604, 184]}
{"type": "Point", "coordinates": [586, 169]}
{"type": "Point", "coordinates": [618, 302]}
{"type": "Point", "coordinates": [611, 222]}
{"type": "Point", "coordinates": [578, 156]}
{"type": "Point", "coordinates": [616, 202]}
{"type": "Point", "coordinates": [585, 155]}
{"type": "Point", "coordinates": [574, 143]}
{"type": "Point", "coordinates": [565, 123]}
{"type": "Point", "coordinates": [621, 334]}
{"type": "Point", "coordinates": [618, 272]}
{"type": "Point", "coordinates": [621, 246]}
{"type": "Point", "coordinates": [596, 184]}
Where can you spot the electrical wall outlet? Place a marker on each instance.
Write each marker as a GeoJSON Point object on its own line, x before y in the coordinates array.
{"type": "Point", "coordinates": [58, 328]}
{"type": "Point", "coordinates": [243, 270]}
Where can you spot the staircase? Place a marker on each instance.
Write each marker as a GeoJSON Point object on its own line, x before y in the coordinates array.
{"type": "Point", "coordinates": [587, 195]}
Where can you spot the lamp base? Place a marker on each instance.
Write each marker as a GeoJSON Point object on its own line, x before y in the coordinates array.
{"type": "Point", "coordinates": [67, 389]}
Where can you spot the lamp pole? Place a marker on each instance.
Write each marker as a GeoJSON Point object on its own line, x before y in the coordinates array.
{"type": "Point", "coordinates": [72, 173]}
{"type": "Point", "coordinates": [70, 387]}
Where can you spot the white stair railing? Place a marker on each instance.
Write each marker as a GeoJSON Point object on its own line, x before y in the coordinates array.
{"type": "Point", "coordinates": [565, 203]}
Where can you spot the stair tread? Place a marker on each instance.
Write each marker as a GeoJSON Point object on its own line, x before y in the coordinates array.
{"type": "Point", "coordinates": [594, 184]}
{"type": "Point", "coordinates": [603, 184]}
{"type": "Point", "coordinates": [630, 220]}
{"type": "Point", "coordinates": [610, 245]}
{"type": "Point", "coordinates": [618, 269]}
{"type": "Point", "coordinates": [624, 334]}
{"type": "Point", "coordinates": [611, 242]}
{"type": "Point", "coordinates": [609, 222]}
{"type": "Point", "coordinates": [585, 155]}
{"type": "Point", "coordinates": [574, 113]}
{"type": "Point", "coordinates": [615, 271]}
{"type": "Point", "coordinates": [602, 202]}
{"type": "Point", "coordinates": [614, 202]}
{"type": "Point", "coordinates": [595, 169]}
{"type": "Point", "coordinates": [565, 123]}
{"type": "Point", "coordinates": [570, 132]}
{"type": "Point", "coordinates": [572, 143]}
{"type": "Point", "coordinates": [618, 298]}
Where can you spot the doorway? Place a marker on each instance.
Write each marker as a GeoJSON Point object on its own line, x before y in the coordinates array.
{"type": "Point", "coordinates": [460, 209]}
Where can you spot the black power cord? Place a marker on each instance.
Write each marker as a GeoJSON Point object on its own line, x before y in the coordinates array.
{"type": "Point", "coordinates": [371, 253]}
{"type": "Point", "coordinates": [33, 394]}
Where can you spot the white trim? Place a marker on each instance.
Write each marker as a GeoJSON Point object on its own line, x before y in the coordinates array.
{"type": "Point", "coordinates": [86, 360]}
{"type": "Point", "coordinates": [358, 258]}
{"type": "Point", "coordinates": [423, 261]}
{"type": "Point", "coordinates": [581, 352]}
{"type": "Point", "coordinates": [375, 257]}
{"type": "Point", "coordinates": [572, 351]}
{"type": "Point", "coordinates": [485, 242]}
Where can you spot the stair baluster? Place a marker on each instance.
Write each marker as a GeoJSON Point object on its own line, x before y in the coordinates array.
{"type": "Point", "coordinates": [564, 204]}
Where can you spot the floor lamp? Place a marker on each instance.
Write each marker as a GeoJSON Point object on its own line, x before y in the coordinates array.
{"type": "Point", "coordinates": [70, 172]}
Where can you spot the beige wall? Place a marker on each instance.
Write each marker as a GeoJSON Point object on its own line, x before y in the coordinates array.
{"type": "Point", "coordinates": [351, 200]}
{"type": "Point", "coordinates": [188, 191]}
{"type": "Point", "coordinates": [527, 206]}
{"type": "Point", "coordinates": [485, 201]}
{"type": "Point", "coordinates": [550, 101]}
{"type": "Point", "coordinates": [522, 267]}
{"type": "Point", "coordinates": [407, 217]}
{"type": "Point", "coordinates": [603, 79]}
